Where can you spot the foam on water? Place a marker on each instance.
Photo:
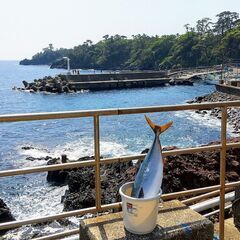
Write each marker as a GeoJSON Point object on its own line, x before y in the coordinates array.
{"type": "Point", "coordinates": [206, 120]}
{"type": "Point", "coordinates": [74, 150]}
{"type": "Point", "coordinates": [29, 232]}
{"type": "Point", "coordinates": [37, 198]}
{"type": "Point", "coordinates": [85, 147]}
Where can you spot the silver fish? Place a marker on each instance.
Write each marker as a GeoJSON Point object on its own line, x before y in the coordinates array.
{"type": "Point", "coordinates": [148, 181]}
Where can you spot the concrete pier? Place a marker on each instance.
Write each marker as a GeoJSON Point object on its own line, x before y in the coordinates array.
{"type": "Point", "coordinates": [116, 76]}
{"type": "Point", "coordinates": [119, 84]}
{"type": "Point", "coordinates": [175, 222]}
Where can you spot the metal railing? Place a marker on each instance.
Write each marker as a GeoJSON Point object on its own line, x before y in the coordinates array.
{"type": "Point", "coordinates": [96, 163]}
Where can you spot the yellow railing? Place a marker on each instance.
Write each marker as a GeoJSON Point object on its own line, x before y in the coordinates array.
{"type": "Point", "coordinates": [96, 114]}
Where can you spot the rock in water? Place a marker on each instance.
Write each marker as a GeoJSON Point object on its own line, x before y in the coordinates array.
{"type": "Point", "coordinates": [5, 214]}
{"type": "Point", "coordinates": [57, 177]}
{"type": "Point", "coordinates": [25, 83]}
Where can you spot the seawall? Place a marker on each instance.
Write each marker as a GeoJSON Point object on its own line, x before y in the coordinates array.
{"type": "Point", "coordinates": [115, 76]}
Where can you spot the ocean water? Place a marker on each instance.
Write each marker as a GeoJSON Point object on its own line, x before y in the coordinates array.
{"type": "Point", "coordinates": [30, 195]}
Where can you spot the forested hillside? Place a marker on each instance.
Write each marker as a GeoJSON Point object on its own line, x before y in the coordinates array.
{"type": "Point", "coordinates": [207, 43]}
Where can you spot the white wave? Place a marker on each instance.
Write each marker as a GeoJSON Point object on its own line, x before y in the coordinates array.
{"type": "Point", "coordinates": [39, 201]}
{"type": "Point", "coordinates": [34, 151]}
{"type": "Point", "coordinates": [206, 120]}
{"type": "Point", "coordinates": [30, 232]}
{"type": "Point", "coordinates": [76, 149]}
{"type": "Point", "coordinates": [85, 147]}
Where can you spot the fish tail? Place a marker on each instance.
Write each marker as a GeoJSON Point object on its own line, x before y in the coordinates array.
{"type": "Point", "coordinates": [157, 128]}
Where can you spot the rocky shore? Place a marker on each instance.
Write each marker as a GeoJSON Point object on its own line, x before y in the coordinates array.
{"type": "Point", "coordinates": [49, 84]}
{"type": "Point", "coordinates": [5, 214]}
{"type": "Point", "coordinates": [233, 113]}
{"type": "Point", "coordinates": [186, 171]}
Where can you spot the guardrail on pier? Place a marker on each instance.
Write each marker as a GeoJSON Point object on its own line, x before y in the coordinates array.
{"type": "Point", "coordinates": [96, 163]}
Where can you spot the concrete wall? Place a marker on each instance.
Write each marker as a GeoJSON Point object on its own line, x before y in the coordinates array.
{"type": "Point", "coordinates": [108, 85]}
{"type": "Point", "coordinates": [228, 89]}
{"type": "Point", "coordinates": [115, 76]}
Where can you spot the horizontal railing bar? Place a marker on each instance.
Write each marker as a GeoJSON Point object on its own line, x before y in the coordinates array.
{"type": "Point", "coordinates": [43, 219]}
{"type": "Point", "coordinates": [168, 196]}
{"type": "Point", "coordinates": [200, 197]}
{"type": "Point", "coordinates": [19, 223]}
{"type": "Point", "coordinates": [59, 235]}
{"type": "Point", "coordinates": [88, 163]}
{"type": "Point", "coordinates": [108, 112]}
{"type": "Point", "coordinates": [54, 167]}
{"type": "Point", "coordinates": [204, 196]}
{"type": "Point", "coordinates": [216, 211]}
{"type": "Point", "coordinates": [198, 191]}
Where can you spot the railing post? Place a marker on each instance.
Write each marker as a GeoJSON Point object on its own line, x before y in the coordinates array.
{"type": "Point", "coordinates": [97, 162]}
{"type": "Point", "coordinates": [223, 170]}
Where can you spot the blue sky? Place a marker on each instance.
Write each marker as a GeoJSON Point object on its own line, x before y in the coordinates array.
{"type": "Point", "coordinates": [27, 26]}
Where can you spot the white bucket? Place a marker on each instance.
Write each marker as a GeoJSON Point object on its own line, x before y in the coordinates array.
{"type": "Point", "coordinates": [139, 214]}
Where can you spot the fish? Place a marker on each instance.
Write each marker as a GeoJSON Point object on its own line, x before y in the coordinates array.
{"type": "Point", "coordinates": [148, 180]}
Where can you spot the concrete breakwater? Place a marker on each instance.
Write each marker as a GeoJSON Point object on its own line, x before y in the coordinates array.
{"type": "Point", "coordinates": [97, 82]}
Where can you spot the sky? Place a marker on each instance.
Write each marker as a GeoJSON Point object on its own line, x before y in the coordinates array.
{"type": "Point", "coordinates": [27, 26]}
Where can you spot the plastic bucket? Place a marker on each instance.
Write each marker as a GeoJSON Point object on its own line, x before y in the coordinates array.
{"type": "Point", "coordinates": [139, 214]}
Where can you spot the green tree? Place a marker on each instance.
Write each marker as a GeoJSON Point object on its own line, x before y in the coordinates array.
{"type": "Point", "coordinates": [226, 21]}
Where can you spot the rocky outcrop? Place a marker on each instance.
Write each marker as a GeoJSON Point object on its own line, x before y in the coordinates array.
{"type": "Point", "coordinates": [233, 113]}
{"type": "Point", "coordinates": [57, 177]}
{"type": "Point", "coordinates": [186, 171]}
{"type": "Point", "coordinates": [5, 214]}
{"type": "Point", "coordinates": [81, 185]}
{"type": "Point", "coordinates": [50, 84]}
{"type": "Point", "coordinates": [60, 177]}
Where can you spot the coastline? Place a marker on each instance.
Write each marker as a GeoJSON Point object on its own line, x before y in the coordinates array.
{"type": "Point", "coordinates": [233, 113]}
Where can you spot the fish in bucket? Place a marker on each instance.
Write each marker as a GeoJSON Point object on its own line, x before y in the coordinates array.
{"type": "Point", "coordinates": [140, 198]}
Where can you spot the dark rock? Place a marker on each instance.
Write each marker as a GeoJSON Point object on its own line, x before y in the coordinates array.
{"type": "Point", "coordinates": [57, 177]}
{"type": "Point", "coordinates": [42, 89]}
{"type": "Point", "coordinates": [31, 158]}
{"type": "Point", "coordinates": [64, 158]}
{"type": "Point", "coordinates": [200, 98]}
{"type": "Point", "coordinates": [57, 84]}
{"type": "Point", "coordinates": [48, 88]}
{"type": "Point", "coordinates": [87, 158]}
{"type": "Point", "coordinates": [34, 88]}
{"type": "Point", "coordinates": [184, 82]}
{"type": "Point", "coordinates": [47, 158]}
{"type": "Point", "coordinates": [59, 87]}
{"type": "Point", "coordinates": [145, 151]}
{"type": "Point", "coordinates": [5, 215]}
{"type": "Point", "coordinates": [27, 147]}
{"type": "Point", "coordinates": [66, 89]}
{"type": "Point", "coordinates": [81, 184]}
{"type": "Point", "coordinates": [25, 83]}
{"type": "Point", "coordinates": [172, 82]}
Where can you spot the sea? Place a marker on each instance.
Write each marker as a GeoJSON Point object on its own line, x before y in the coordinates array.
{"type": "Point", "coordinates": [30, 196]}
